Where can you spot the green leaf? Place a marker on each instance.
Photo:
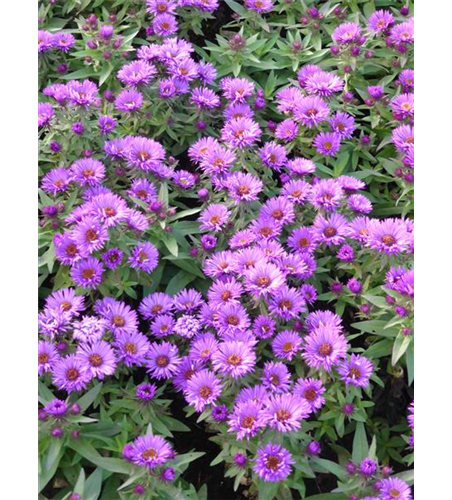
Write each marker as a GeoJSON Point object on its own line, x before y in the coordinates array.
{"type": "Point", "coordinates": [267, 490]}
{"type": "Point", "coordinates": [179, 281]}
{"type": "Point", "coordinates": [93, 485]}
{"type": "Point", "coordinates": [171, 244]}
{"type": "Point", "coordinates": [360, 446]}
{"type": "Point", "coordinates": [80, 484]}
{"type": "Point", "coordinates": [400, 346]}
{"type": "Point", "coordinates": [87, 399]}
{"type": "Point", "coordinates": [50, 463]}
{"type": "Point", "coordinates": [87, 451]}
{"type": "Point", "coordinates": [330, 466]}
{"type": "Point", "coordinates": [328, 496]}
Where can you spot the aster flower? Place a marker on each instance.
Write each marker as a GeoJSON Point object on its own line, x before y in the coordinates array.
{"type": "Point", "coordinates": [225, 292]}
{"type": "Point", "coordinates": [389, 236]}
{"type": "Point", "coordinates": [89, 235]}
{"type": "Point", "coordinates": [343, 124]}
{"type": "Point", "coordinates": [328, 319]}
{"type": "Point", "coordinates": [403, 106]}
{"type": "Point", "coordinates": [263, 278]}
{"type": "Point", "coordinates": [346, 253]}
{"type": "Point", "coordinates": [198, 150]}
{"type": "Point", "coordinates": [286, 344]}
{"type": "Point", "coordinates": [129, 100]}
{"type": "Point", "coordinates": [311, 391]}
{"type": "Point", "coordinates": [280, 209]}
{"type": "Point", "coordinates": [273, 155]}
{"type": "Point", "coordinates": [331, 230]}
{"type": "Point", "coordinates": [403, 137]}
{"type": "Point", "coordinates": [145, 154]}
{"type": "Point", "coordinates": [346, 33]}
{"type": "Point", "coordinates": [327, 143]}
{"type": "Point", "coordinates": [98, 359]}
{"type": "Point", "coordinates": [301, 166]}
{"type": "Point", "coordinates": [136, 73]}
{"type": "Point", "coordinates": [187, 326]}
{"type": "Point", "coordinates": [287, 130]}
{"type": "Point", "coordinates": [356, 371]}
{"type": "Point", "coordinates": [326, 194]}
{"type": "Point", "coordinates": [259, 5]}
{"type": "Point", "coordinates": [245, 419]}
{"type": "Point", "coordinates": [164, 25]}
{"type": "Point", "coordinates": [185, 371]}
{"type": "Point", "coordinates": [220, 264]}
{"type": "Point", "coordinates": [82, 93]}
{"type": "Point", "coordinates": [87, 171]}
{"type": "Point", "coordinates": [403, 33]}
{"type": "Point", "coordinates": [273, 463]}
{"type": "Point", "coordinates": [324, 348]}
{"type": "Point", "coordinates": [240, 132]}
{"type": "Point", "coordinates": [89, 329]}
{"type": "Point", "coordinates": [305, 72]}
{"type": "Point", "coordinates": [236, 89]}
{"type": "Point", "coordinates": [296, 191]}
{"type": "Point", "coordinates": [121, 318]}
{"type": "Point", "coordinates": [243, 187]}
{"type": "Point", "coordinates": [202, 389]}
{"type": "Point", "coordinates": [131, 348]}
{"type": "Point", "coordinates": [143, 190]}
{"type": "Point", "coordinates": [136, 221]}
{"type": "Point", "coordinates": [204, 98]}
{"type": "Point", "coordinates": [309, 293]}
{"type": "Point", "coordinates": [286, 303]}
{"type": "Point", "coordinates": [106, 124]}
{"type": "Point", "coordinates": [323, 84]}
{"type": "Point", "coordinates": [162, 360]}
{"type": "Point", "coordinates": [158, 7]}
{"type": "Point", "coordinates": [63, 41]}
{"type": "Point", "coordinates": [47, 356]}
{"type": "Point", "coordinates": [311, 111]}
{"type": "Point", "coordinates": [358, 229]}
{"type": "Point", "coordinates": [162, 325]}
{"type": "Point", "coordinates": [144, 257]}
{"type": "Point", "coordinates": [380, 21]}
{"type": "Point", "coordinates": [45, 41]}
{"type": "Point", "coordinates": [284, 412]}
{"type": "Point", "coordinates": [214, 217]}
{"type": "Point", "coordinates": [112, 258]}
{"type": "Point", "coordinates": [151, 451]}
{"type": "Point", "coordinates": [154, 304]}
{"type": "Point", "coordinates": [263, 327]}
{"type": "Point", "coordinates": [406, 80]}
{"type": "Point", "coordinates": [242, 239]}
{"type": "Point", "coordinates": [69, 374]}
{"type": "Point", "coordinates": [359, 204]}
{"type": "Point", "coordinates": [233, 358]}
{"type": "Point", "coordinates": [187, 300]}
{"type": "Point", "coordinates": [145, 392]}
{"type": "Point", "coordinates": [57, 408]}
{"type": "Point", "coordinates": [265, 227]}
{"type": "Point", "coordinates": [237, 110]}
{"type": "Point", "coordinates": [45, 113]}
{"type": "Point", "coordinates": [52, 322]}
{"type": "Point", "coordinates": [218, 160]}
{"type": "Point", "coordinates": [66, 300]}
{"type": "Point", "coordinates": [203, 347]}
{"type": "Point", "coordinates": [184, 179]}
{"type": "Point", "coordinates": [276, 377]}
{"type": "Point", "coordinates": [394, 488]}
{"type": "Point", "coordinates": [56, 180]}
{"type": "Point", "coordinates": [206, 72]}
{"type": "Point", "coordinates": [87, 272]}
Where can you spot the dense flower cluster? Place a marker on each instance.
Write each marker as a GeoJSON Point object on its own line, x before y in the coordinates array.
{"type": "Point", "coordinates": [214, 239]}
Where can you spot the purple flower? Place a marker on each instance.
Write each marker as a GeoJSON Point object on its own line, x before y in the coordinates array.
{"type": "Point", "coordinates": [286, 344]}
{"type": "Point", "coordinates": [331, 230]}
{"type": "Point", "coordinates": [273, 155]}
{"type": "Point", "coordinates": [151, 451]}
{"type": "Point", "coordinates": [343, 124]}
{"type": "Point", "coordinates": [368, 467]}
{"type": "Point", "coordinates": [88, 171]}
{"type": "Point", "coordinates": [145, 154]}
{"type": "Point", "coordinates": [129, 100]}
{"type": "Point", "coordinates": [380, 20]}
{"type": "Point", "coordinates": [323, 84]}
{"type": "Point", "coordinates": [285, 411]}
{"type": "Point", "coordinates": [204, 98]}
{"type": "Point", "coordinates": [57, 408]}
{"type": "Point", "coordinates": [263, 278]}
{"type": "Point", "coordinates": [354, 285]}
{"type": "Point", "coordinates": [346, 253]}
{"type": "Point", "coordinates": [313, 448]}
{"type": "Point", "coordinates": [403, 138]}
{"type": "Point", "coordinates": [82, 93]}
{"type": "Point", "coordinates": [286, 131]}
{"type": "Point", "coordinates": [305, 72]}
{"type": "Point", "coordinates": [106, 124]}
{"type": "Point", "coordinates": [403, 106]}
{"type": "Point", "coordinates": [47, 357]}
{"type": "Point", "coordinates": [311, 111]}
{"type": "Point", "coordinates": [394, 488]}
{"type": "Point", "coordinates": [273, 463]}
{"type": "Point", "coordinates": [87, 273]}
{"type": "Point", "coordinates": [324, 348]}
{"type": "Point", "coordinates": [403, 33]}
{"type": "Point", "coordinates": [144, 257]}
{"type": "Point", "coordinates": [145, 392]}
{"type": "Point", "coordinates": [356, 371]}
{"type": "Point", "coordinates": [202, 389]}
{"type": "Point", "coordinates": [162, 360]}
{"type": "Point", "coordinates": [112, 258]}
{"type": "Point", "coordinates": [346, 33]}
{"type": "Point", "coordinates": [69, 374]}
{"type": "Point", "coordinates": [164, 25]}
{"type": "Point", "coordinates": [154, 304]}
{"type": "Point", "coordinates": [98, 359]}
{"type": "Point", "coordinates": [214, 217]}
{"type": "Point", "coordinates": [246, 419]}
{"type": "Point", "coordinates": [243, 187]}
{"type": "Point", "coordinates": [259, 5]}
{"type": "Point", "coordinates": [327, 143]}
{"type": "Point", "coordinates": [136, 73]}
{"type": "Point", "coordinates": [56, 180]}
{"type": "Point", "coordinates": [240, 132]}
{"type": "Point", "coordinates": [311, 391]}
{"type": "Point", "coordinates": [389, 236]}
{"type": "Point", "coordinates": [131, 348]}
{"type": "Point", "coordinates": [280, 209]}
{"type": "Point", "coordinates": [359, 204]}
{"type": "Point", "coordinates": [287, 303]}
{"type": "Point", "coordinates": [89, 235]}
{"type": "Point", "coordinates": [45, 113]}
{"type": "Point", "coordinates": [234, 358]}
{"type": "Point", "coordinates": [236, 89]}
{"type": "Point", "coordinates": [220, 413]}
{"type": "Point", "coordinates": [326, 194]}
{"type": "Point", "coordinates": [45, 41]}
{"type": "Point", "coordinates": [276, 377]}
